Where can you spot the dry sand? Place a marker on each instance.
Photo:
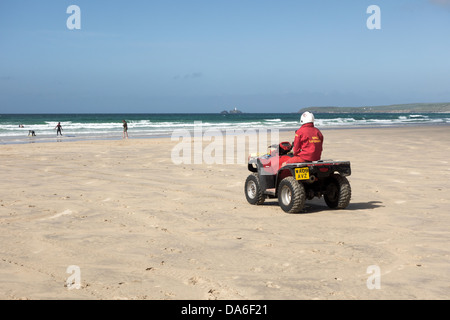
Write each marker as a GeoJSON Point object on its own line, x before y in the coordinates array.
{"type": "Point", "coordinates": [140, 227]}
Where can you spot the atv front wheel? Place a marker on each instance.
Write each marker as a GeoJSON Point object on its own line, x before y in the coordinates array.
{"type": "Point", "coordinates": [338, 192]}
{"type": "Point", "coordinates": [291, 195]}
{"type": "Point", "coordinates": [253, 191]}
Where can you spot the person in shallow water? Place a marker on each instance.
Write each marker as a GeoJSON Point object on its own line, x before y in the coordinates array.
{"type": "Point", "coordinates": [58, 129]}
{"type": "Point", "coordinates": [125, 129]}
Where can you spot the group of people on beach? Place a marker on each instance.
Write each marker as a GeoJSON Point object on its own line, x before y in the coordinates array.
{"type": "Point", "coordinates": [59, 129]}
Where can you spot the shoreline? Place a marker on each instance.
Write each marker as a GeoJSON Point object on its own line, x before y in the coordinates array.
{"type": "Point", "coordinates": [72, 138]}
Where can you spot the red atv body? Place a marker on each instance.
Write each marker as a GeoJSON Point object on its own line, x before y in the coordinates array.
{"type": "Point", "coordinates": [294, 183]}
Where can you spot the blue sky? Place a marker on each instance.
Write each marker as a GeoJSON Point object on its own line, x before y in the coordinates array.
{"type": "Point", "coordinates": [214, 55]}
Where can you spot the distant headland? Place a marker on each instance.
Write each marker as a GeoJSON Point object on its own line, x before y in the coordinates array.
{"type": "Point", "coordinates": [395, 108]}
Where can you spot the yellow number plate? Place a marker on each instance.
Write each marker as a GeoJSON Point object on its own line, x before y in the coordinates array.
{"type": "Point", "coordinates": [301, 173]}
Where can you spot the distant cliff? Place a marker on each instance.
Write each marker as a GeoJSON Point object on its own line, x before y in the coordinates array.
{"type": "Point", "coordinates": [395, 108]}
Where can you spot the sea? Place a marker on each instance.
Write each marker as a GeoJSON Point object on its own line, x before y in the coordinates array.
{"type": "Point", "coordinates": [15, 128]}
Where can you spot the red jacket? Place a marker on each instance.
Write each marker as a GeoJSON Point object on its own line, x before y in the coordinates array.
{"type": "Point", "coordinates": [308, 142]}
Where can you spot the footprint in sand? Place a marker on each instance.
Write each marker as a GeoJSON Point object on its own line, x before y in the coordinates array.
{"type": "Point", "coordinates": [270, 284]}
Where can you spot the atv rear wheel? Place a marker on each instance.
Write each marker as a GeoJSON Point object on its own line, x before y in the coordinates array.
{"type": "Point", "coordinates": [291, 195]}
{"type": "Point", "coordinates": [253, 191]}
{"type": "Point", "coordinates": [338, 192]}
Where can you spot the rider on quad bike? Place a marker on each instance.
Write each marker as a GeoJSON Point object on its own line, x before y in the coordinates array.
{"type": "Point", "coordinates": [308, 141]}
{"type": "Point", "coordinates": [295, 177]}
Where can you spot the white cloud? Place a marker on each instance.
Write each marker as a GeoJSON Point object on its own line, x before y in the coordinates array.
{"type": "Point", "coordinates": [192, 75]}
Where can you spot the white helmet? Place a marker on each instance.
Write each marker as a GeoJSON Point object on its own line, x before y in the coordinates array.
{"type": "Point", "coordinates": [307, 117]}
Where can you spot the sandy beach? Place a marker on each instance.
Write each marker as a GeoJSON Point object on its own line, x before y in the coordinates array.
{"type": "Point", "coordinates": [137, 226]}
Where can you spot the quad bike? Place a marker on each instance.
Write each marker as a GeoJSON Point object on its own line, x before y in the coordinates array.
{"type": "Point", "coordinates": [294, 183]}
